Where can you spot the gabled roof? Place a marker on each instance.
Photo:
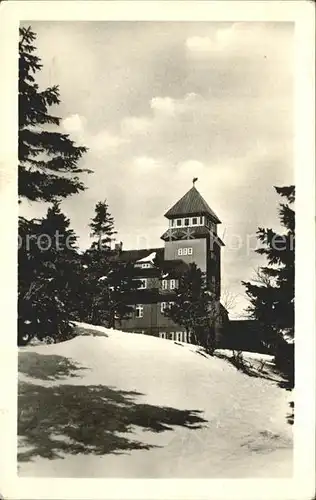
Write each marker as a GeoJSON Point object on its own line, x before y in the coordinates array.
{"type": "Point", "coordinates": [192, 203]}
{"type": "Point", "coordinates": [140, 254]}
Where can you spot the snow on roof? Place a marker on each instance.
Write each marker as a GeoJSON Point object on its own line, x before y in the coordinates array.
{"type": "Point", "coordinates": [148, 258]}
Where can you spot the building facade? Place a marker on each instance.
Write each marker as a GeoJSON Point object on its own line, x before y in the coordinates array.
{"type": "Point", "coordinates": [190, 236]}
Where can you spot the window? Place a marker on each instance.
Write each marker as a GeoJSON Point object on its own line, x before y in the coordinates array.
{"type": "Point", "coordinates": [162, 335]}
{"type": "Point", "coordinates": [201, 220]}
{"type": "Point", "coordinates": [164, 284]}
{"type": "Point", "coordinates": [213, 254]}
{"type": "Point", "coordinates": [143, 283]}
{"type": "Point", "coordinates": [213, 280]}
{"type": "Point", "coordinates": [139, 311]}
{"type": "Point", "coordinates": [163, 306]}
{"type": "Point", "coordinates": [185, 251]}
{"type": "Point", "coordinates": [194, 221]}
{"type": "Point", "coordinates": [179, 336]}
{"type": "Point", "coordinates": [146, 265]}
{"type": "Point", "coordinates": [186, 222]}
{"type": "Point", "coordinates": [170, 336]}
{"type": "Point", "coordinates": [172, 284]}
{"type": "Point", "coordinates": [179, 222]}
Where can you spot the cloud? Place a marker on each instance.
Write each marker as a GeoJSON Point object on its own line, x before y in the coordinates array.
{"type": "Point", "coordinates": [164, 105]}
{"type": "Point", "coordinates": [145, 163]}
{"type": "Point", "coordinates": [100, 142]}
{"type": "Point", "coordinates": [104, 142]}
{"type": "Point", "coordinates": [170, 107]}
{"type": "Point", "coordinates": [135, 125]}
{"type": "Point", "coordinates": [73, 123]}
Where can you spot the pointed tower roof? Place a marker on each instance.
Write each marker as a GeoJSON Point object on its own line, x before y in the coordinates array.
{"type": "Point", "coordinates": [192, 203]}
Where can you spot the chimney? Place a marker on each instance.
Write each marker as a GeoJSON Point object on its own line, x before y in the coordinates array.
{"type": "Point", "coordinates": [118, 247]}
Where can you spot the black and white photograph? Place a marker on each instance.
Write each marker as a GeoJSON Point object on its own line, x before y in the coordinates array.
{"type": "Point", "coordinates": [156, 268]}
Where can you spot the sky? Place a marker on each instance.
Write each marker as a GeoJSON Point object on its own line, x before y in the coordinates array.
{"type": "Point", "coordinates": [158, 103]}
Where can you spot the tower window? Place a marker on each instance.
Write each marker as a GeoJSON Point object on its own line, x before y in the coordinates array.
{"type": "Point", "coordinates": [179, 222]}
{"type": "Point", "coordinates": [139, 311]}
{"type": "Point", "coordinates": [164, 284]}
{"type": "Point", "coordinates": [194, 221]}
{"type": "Point", "coordinates": [163, 306]}
{"type": "Point", "coordinates": [146, 265]}
{"type": "Point", "coordinates": [201, 220]}
{"type": "Point", "coordinates": [186, 222]}
{"type": "Point", "coordinates": [185, 251]}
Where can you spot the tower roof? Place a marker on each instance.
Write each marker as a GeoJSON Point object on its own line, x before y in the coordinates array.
{"type": "Point", "coordinates": [192, 203]}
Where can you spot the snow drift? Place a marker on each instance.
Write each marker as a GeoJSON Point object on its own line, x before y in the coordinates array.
{"type": "Point", "coordinates": [114, 404]}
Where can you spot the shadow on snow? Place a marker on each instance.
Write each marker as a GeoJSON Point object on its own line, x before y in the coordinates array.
{"type": "Point", "coordinates": [73, 419]}
{"type": "Point", "coordinates": [47, 367]}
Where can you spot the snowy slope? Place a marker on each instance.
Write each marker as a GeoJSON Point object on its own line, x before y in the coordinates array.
{"type": "Point", "coordinates": [140, 406]}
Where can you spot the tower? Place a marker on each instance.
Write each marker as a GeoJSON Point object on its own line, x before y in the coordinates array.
{"type": "Point", "coordinates": [192, 236]}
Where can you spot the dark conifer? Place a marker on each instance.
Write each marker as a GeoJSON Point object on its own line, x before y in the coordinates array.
{"type": "Point", "coordinates": [271, 295]}
{"type": "Point", "coordinates": [48, 159]}
{"type": "Point", "coordinates": [191, 307]}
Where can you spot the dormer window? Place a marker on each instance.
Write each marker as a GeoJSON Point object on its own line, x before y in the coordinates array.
{"type": "Point", "coordinates": [194, 221]}
{"type": "Point", "coordinates": [186, 222]}
{"type": "Point", "coordinates": [179, 222]}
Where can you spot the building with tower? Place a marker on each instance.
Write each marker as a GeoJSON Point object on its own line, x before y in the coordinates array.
{"type": "Point", "coordinates": [191, 236]}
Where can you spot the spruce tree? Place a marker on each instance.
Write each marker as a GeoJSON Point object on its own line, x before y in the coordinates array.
{"type": "Point", "coordinates": [271, 296]}
{"type": "Point", "coordinates": [48, 171]}
{"type": "Point", "coordinates": [102, 227]}
{"type": "Point", "coordinates": [96, 261]}
{"type": "Point", "coordinates": [48, 159]}
{"type": "Point", "coordinates": [272, 299]}
{"type": "Point", "coordinates": [121, 284]}
{"type": "Point", "coordinates": [108, 282]}
{"type": "Point", "coordinates": [47, 275]}
{"type": "Point", "coordinates": [191, 306]}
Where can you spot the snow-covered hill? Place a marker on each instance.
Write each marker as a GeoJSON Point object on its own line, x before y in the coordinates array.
{"type": "Point", "coordinates": [114, 404]}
